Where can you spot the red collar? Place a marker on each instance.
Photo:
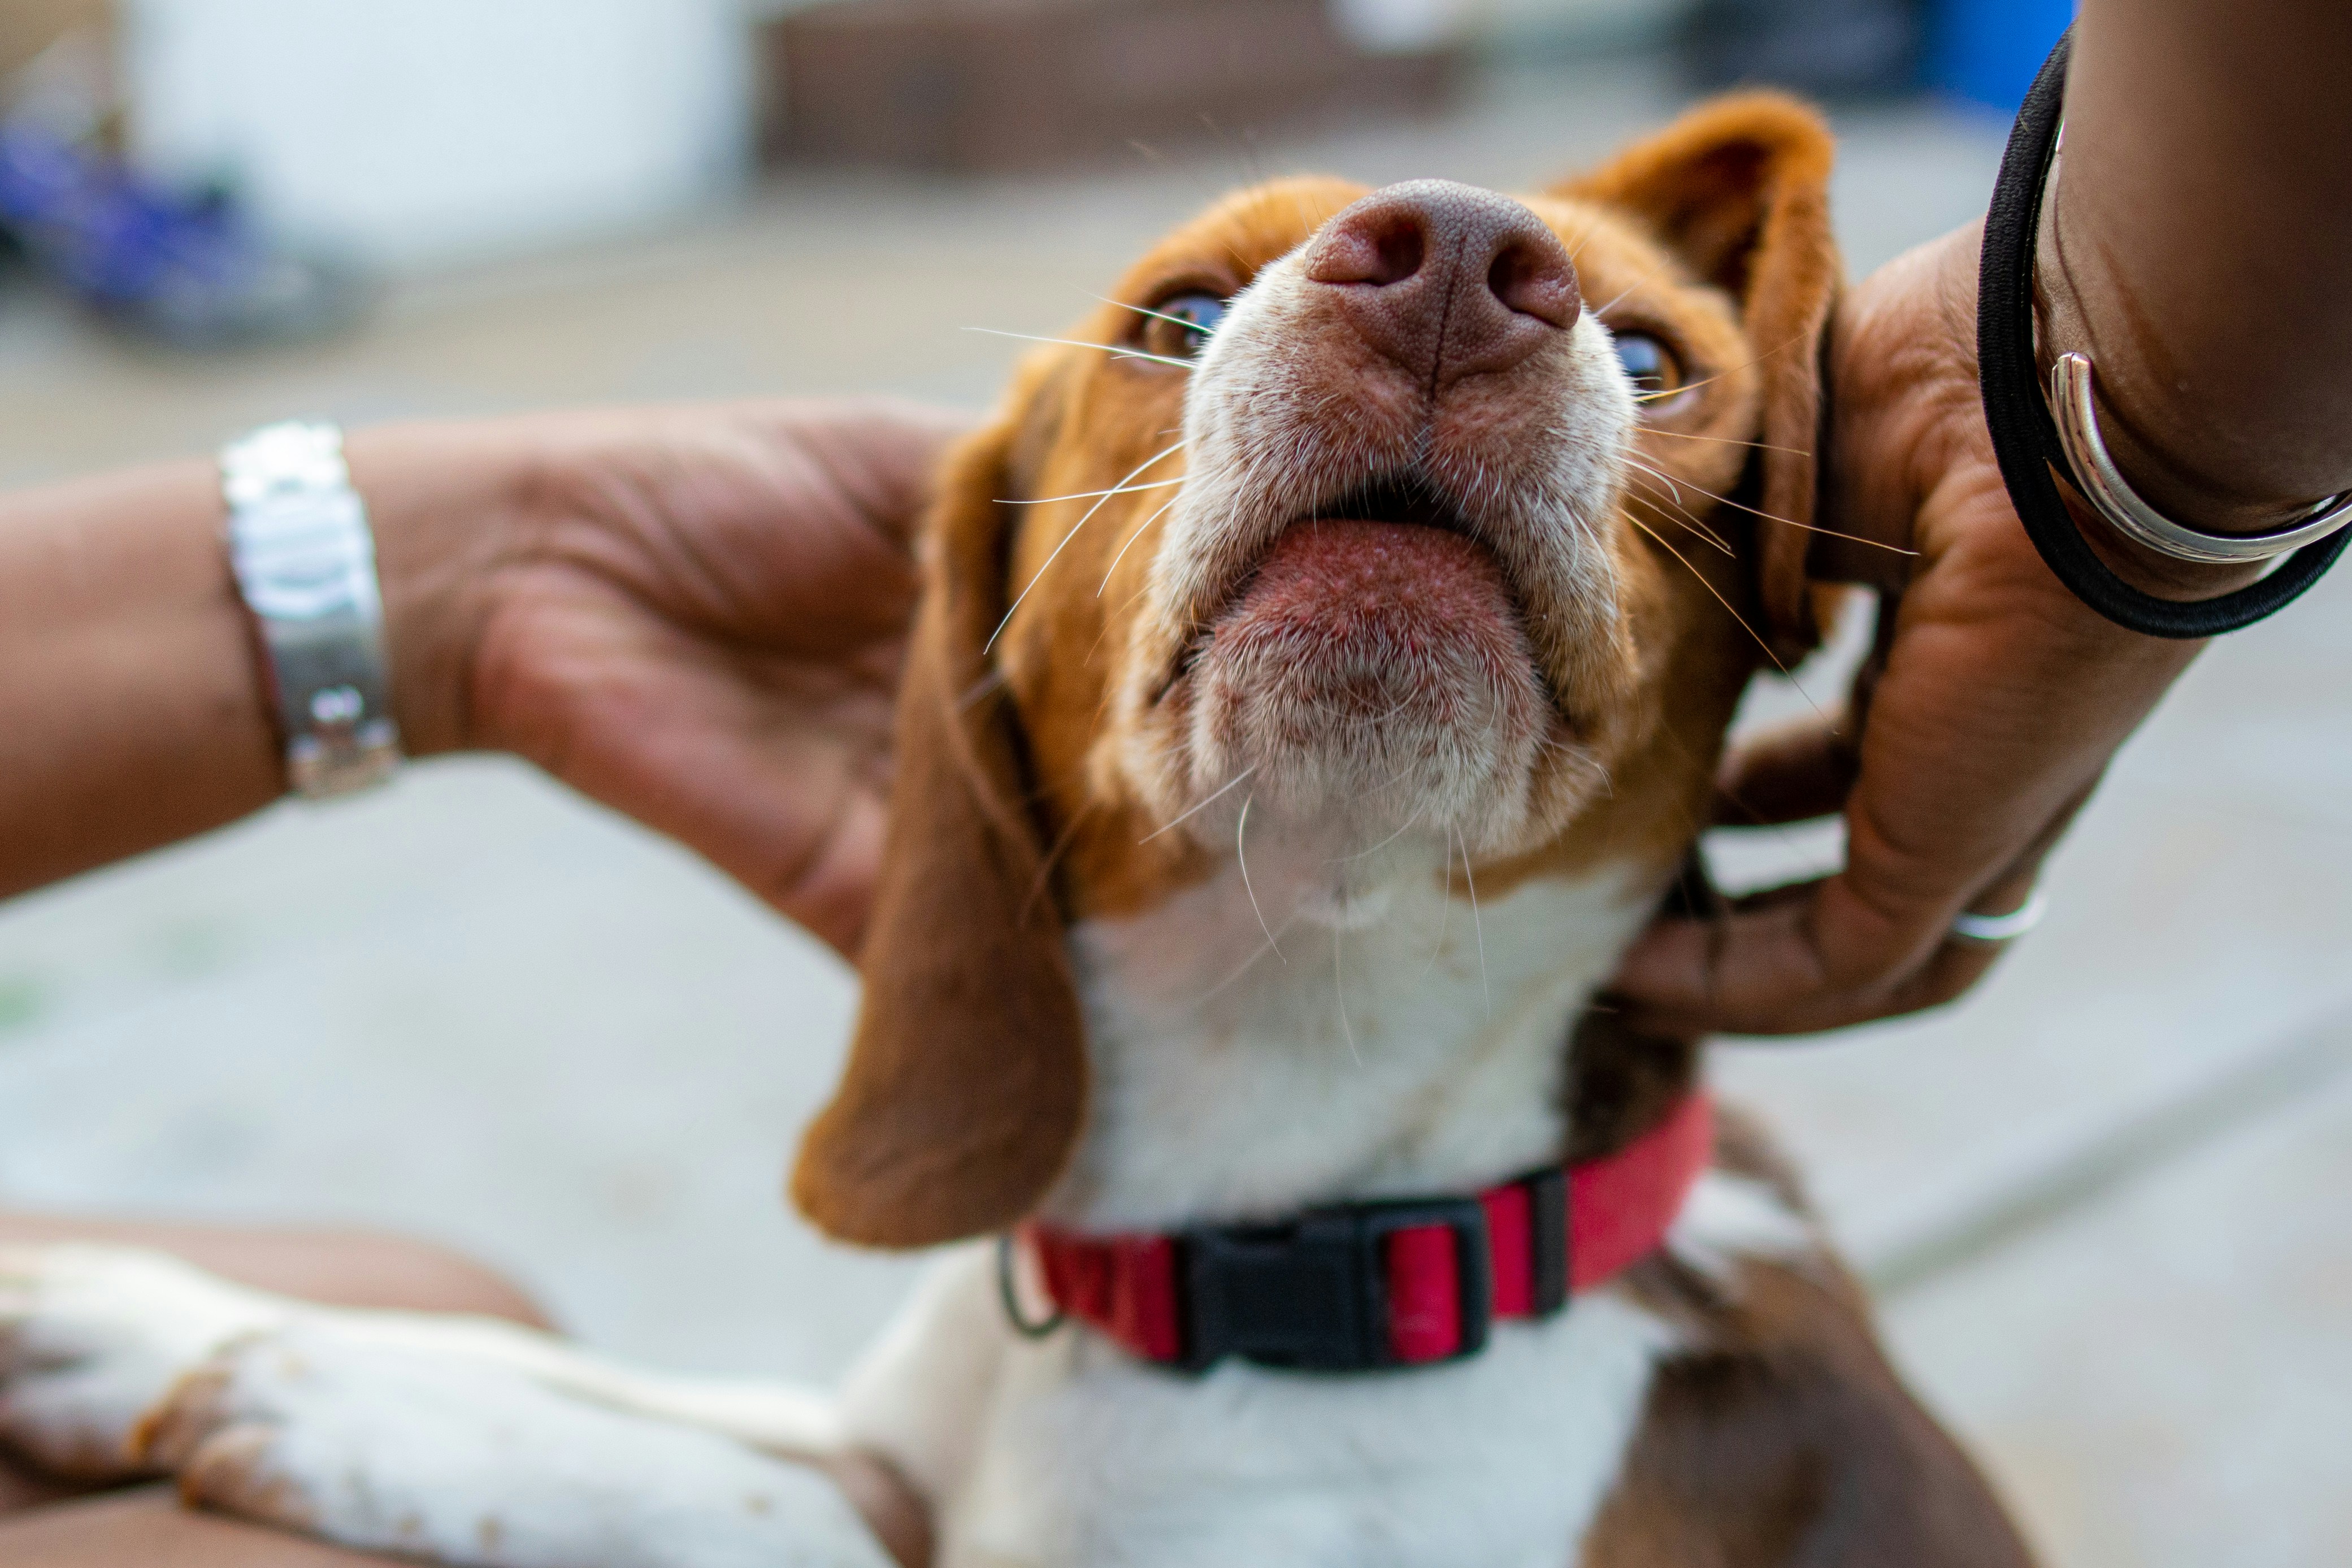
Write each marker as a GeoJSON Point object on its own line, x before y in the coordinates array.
{"type": "Point", "coordinates": [1386, 1284]}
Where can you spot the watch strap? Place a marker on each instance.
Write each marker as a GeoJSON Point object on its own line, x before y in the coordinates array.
{"type": "Point", "coordinates": [304, 559]}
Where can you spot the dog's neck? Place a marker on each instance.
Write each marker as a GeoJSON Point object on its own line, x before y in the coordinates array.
{"type": "Point", "coordinates": [1328, 1028]}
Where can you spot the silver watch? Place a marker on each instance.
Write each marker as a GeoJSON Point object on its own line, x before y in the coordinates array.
{"type": "Point", "coordinates": [305, 563]}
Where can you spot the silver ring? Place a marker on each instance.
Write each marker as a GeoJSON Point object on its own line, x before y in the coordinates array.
{"type": "Point", "coordinates": [2002, 927]}
{"type": "Point", "coordinates": [2101, 484]}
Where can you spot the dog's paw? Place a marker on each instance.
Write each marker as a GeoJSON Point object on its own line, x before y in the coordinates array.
{"type": "Point", "coordinates": [318, 1428]}
{"type": "Point", "coordinates": [92, 1338]}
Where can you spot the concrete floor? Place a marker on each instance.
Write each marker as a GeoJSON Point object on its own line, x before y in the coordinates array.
{"type": "Point", "coordinates": [2102, 1199]}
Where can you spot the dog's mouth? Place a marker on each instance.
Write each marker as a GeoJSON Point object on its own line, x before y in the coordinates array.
{"type": "Point", "coordinates": [1392, 567]}
{"type": "Point", "coordinates": [1407, 499]}
{"type": "Point", "coordinates": [1373, 660]}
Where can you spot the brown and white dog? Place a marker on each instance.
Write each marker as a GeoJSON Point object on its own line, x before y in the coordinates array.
{"type": "Point", "coordinates": [1321, 671]}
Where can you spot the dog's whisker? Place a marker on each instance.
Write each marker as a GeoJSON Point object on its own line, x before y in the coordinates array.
{"type": "Point", "coordinates": [1604, 309]}
{"type": "Point", "coordinates": [1240, 853]}
{"type": "Point", "coordinates": [1398, 777]}
{"type": "Point", "coordinates": [1688, 519]}
{"type": "Point", "coordinates": [1087, 495]}
{"type": "Point", "coordinates": [1340, 994]}
{"type": "Point", "coordinates": [1723, 440]}
{"type": "Point", "coordinates": [1663, 393]}
{"type": "Point", "coordinates": [1775, 518]}
{"type": "Point", "coordinates": [1116, 351]}
{"type": "Point", "coordinates": [1445, 913]}
{"type": "Point", "coordinates": [1204, 804]}
{"type": "Point", "coordinates": [1110, 624]}
{"type": "Point", "coordinates": [1362, 854]}
{"type": "Point", "coordinates": [1673, 490]}
{"type": "Point", "coordinates": [1691, 525]}
{"type": "Point", "coordinates": [1633, 462]}
{"type": "Point", "coordinates": [1470, 880]}
{"type": "Point", "coordinates": [1734, 614]}
{"type": "Point", "coordinates": [1246, 965]}
{"type": "Point", "coordinates": [1721, 500]}
{"type": "Point", "coordinates": [1075, 529]}
{"type": "Point", "coordinates": [1113, 570]}
{"type": "Point", "coordinates": [1140, 310]}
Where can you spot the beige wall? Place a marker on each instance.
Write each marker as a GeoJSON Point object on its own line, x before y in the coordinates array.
{"type": "Point", "coordinates": [28, 26]}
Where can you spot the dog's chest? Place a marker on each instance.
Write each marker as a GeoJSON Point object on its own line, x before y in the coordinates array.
{"type": "Point", "coordinates": [1388, 1043]}
{"type": "Point", "coordinates": [1088, 1458]}
{"type": "Point", "coordinates": [1256, 1050]}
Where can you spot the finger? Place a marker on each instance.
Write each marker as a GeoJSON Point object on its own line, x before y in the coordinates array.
{"type": "Point", "coordinates": [1960, 962]}
{"type": "Point", "coordinates": [1818, 955]}
{"type": "Point", "coordinates": [1792, 773]}
{"type": "Point", "coordinates": [797, 825]}
{"type": "Point", "coordinates": [1762, 974]}
{"type": "Point", "coordinates": [1780, 964]}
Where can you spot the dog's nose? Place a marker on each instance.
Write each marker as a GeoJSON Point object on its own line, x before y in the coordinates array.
{"type": "Point", "coordinates": [1447, 280]}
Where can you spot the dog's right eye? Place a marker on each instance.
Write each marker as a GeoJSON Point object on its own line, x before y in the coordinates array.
{"type": "Point", "coordinates": [1180, 326]}
{"type": "Point", "coordinates": [1649, 364]}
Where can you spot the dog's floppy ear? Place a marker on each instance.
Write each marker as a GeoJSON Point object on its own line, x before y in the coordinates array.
{"type": "Point", "coordinates": [967, 1075]}
{"type": "Point", "coordinates": [1739, 189]}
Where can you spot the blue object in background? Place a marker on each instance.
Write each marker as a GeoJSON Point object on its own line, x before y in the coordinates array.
{"type": "Point", "coordinates": [1987, 51]}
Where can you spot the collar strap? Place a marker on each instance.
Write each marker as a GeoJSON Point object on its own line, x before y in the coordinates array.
{"type": "Point", "coordinates": [1361, 1286]}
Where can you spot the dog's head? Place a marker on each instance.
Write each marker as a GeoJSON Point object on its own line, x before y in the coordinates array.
{"type": "Point", "coordinates": [1418, 516]}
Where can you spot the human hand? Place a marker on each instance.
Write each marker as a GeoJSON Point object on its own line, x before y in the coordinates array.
{"type": "Point", "coordinates": [1999, 703]}
{"type": "Point", "coordinates": [694, 615]}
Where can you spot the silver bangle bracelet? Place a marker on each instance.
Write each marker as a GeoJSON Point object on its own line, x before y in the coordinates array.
{"type": "Point", "coordinates": [304, 559]}
{"type": "Point", "coordinates": [2075, 409]}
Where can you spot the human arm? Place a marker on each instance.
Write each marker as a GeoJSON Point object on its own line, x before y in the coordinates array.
{"type": "Point", "coordinates": [693, 615]}
{"type": "Point", "coordinates": [2001, 697]}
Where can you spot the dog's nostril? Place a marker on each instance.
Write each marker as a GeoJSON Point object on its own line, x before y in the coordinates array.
{"type": "Point", "coordinates": [1378, 246]}
{"type": "Point", "coordinates": [1532, 276]}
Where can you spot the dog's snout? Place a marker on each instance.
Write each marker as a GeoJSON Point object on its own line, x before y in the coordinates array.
{"type": "Point", "coordinates": [1447, 280]}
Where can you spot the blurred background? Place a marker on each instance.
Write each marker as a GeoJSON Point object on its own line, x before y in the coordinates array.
{"type": "Point", "coordinates": [2100, 1200]}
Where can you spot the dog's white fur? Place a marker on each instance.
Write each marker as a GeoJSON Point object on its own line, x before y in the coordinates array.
{"type": "Point", "coordinates": [1382, 1041]}
{"type": "Point", "coordinates": [1337, 1021]}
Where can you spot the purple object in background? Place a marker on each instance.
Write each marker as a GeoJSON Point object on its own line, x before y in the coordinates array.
{"type": "Point", "coordinates": [187, 270]}
{"type": "Point", "coordinates": [1987, 51]}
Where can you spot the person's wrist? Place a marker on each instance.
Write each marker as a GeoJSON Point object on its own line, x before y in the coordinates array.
{"type": "Point", "coordinates": [2154, 430]}
{"type": "Point", "coordinates": [2068, 307]}
{"type": "Point", "coordinates": [446, 503]}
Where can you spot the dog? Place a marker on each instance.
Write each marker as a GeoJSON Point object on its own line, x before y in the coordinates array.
{"type": "Point", "coordinates": [1321, 670]}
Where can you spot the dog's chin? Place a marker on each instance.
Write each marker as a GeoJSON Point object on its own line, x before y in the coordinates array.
{"type": "Point", "coordinates": [1374, 677]}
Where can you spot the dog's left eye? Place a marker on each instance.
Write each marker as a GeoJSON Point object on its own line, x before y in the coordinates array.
{"type": "Point", "coordinates": [1180, 326]}
{"type": "Point", "coordinates": [1649, 364]}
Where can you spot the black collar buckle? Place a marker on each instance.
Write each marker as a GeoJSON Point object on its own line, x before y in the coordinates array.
{"type": "Point", "coordinates": [1312, 1295]}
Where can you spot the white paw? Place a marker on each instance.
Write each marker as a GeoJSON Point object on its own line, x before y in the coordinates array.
{"type": "Point", "coordinates": [316, 1427]}
{"type": "Point", "coordinates": [92, 1338]}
